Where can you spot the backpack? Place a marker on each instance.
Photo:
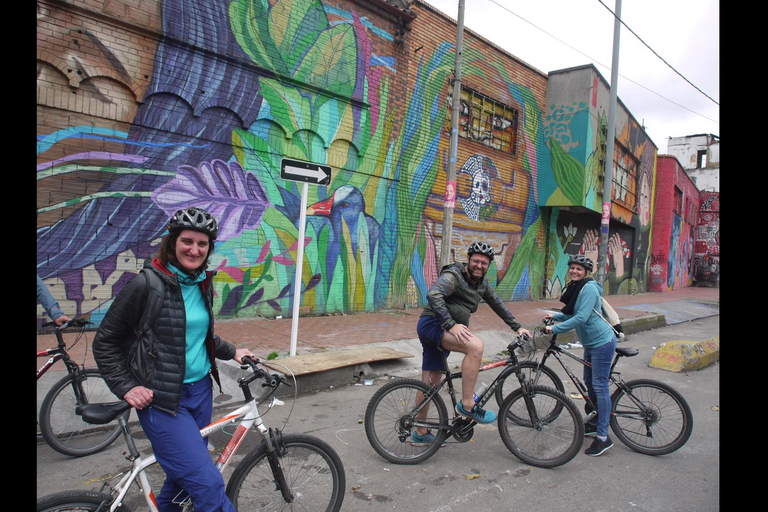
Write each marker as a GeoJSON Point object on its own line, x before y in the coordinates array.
{"type": "Point", "coordinates": [609, 315]}
{"type": "Point", "coordinates": [154, 301]}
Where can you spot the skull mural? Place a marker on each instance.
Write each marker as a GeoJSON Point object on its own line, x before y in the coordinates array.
{"type": "Point", "coordinates": [481, 169]}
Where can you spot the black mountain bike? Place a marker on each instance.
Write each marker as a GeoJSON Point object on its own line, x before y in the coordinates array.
{"type": "Point", "coordinates": [62, 429]}
{"type": "Point", "coordinates": [648, 416]}
{"type": "Point", "coordinates": [525, 424]}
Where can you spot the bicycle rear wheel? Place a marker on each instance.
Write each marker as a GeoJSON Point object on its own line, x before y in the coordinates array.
{"type": "Point", "coordinates": [65, 431]}
{"type": "Point", "coordinates": [74, 501]}
{"type": "Point", "coordinates": [390, 417]}
{"type": "Point", "coordinates": [539, 375]}
{"type": "Point", "coordinates": [651, 417]}
{"type": "Point", "coordinates": [313, 472]}
{"type": "Point", "coordinates": [543, 440]}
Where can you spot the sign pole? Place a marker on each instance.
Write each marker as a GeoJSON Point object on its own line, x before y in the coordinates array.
{"type": "Point", "coordinates": [299, 265]}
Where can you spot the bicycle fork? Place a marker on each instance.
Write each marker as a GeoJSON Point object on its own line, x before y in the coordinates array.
{"type": "Point", "coordinates": [275, 450]}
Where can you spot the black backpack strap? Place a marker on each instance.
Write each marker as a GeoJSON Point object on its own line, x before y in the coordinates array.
{"type": "Point", "coordinates": [155, 288]}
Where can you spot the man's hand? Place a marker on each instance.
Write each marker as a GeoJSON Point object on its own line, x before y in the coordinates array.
{"type": "Point", "coordinates": [461, 333]}
{"type": "Point", "coordinates": [524, 332]}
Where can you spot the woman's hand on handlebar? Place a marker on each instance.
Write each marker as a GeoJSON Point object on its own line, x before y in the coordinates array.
{"type": "Point", "coordinates": [240, 353]}
{"type": "Point", "coordinates": [548, 321]}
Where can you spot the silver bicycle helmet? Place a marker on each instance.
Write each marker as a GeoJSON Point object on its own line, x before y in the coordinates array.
{"type": "Point", "coordinates": [196, 219]}
{"type": "Point", "coordinates": [480, 248]}
{"type": "Point", "coordinates": [582, 260]}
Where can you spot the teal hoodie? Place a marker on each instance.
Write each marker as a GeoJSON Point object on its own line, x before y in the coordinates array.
{"type": "Point", "coordinates": [591, 329]}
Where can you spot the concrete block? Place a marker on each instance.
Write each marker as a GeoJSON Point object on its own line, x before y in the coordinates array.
{"type": "Point", "coordinates": [683, 355]}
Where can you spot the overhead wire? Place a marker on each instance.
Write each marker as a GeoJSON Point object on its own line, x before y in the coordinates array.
{"type": "Point", "coordinates": [608, 67]}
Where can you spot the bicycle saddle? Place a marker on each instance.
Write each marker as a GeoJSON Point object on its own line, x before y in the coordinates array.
{"type": "Point", "coordinates": [100, 414]}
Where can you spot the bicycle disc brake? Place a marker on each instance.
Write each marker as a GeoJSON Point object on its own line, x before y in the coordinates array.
{"type": "Point", "coordinates": [463, 429]}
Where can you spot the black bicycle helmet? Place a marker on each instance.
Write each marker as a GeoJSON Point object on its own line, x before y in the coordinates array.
{"type": "Point", "coordinates": [480, 248]}
{"type": "Point", "coordinates": [196, 219]}
{"type": "Point", "coordinates": [582, 260]}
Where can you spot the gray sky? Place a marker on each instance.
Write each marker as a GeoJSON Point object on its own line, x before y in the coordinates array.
{"type": "Point", "coordinates": [557, 34]}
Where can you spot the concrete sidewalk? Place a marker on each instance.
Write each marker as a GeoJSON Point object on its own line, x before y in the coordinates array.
{"type": "Point", "coordinates": [338, 349]}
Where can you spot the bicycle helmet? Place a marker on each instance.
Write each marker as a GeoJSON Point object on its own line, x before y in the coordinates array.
{"type": "Point", "coordinates": [582, 260]}
{"type": "Point", "coordinates": [196, 219]}
{"type": "Point", "coordinates": [480, 248]}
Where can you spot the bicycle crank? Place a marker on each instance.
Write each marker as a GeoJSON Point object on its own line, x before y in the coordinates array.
{"type": "Point", "coordinates": [463, 429]}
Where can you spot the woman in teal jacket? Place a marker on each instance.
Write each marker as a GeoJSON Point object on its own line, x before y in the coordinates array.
{"type": "Point", "coordinates": [582, 302]}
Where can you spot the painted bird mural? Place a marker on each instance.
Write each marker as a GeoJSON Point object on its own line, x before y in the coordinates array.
{"type": "Point", "coordinates": [341, 214]}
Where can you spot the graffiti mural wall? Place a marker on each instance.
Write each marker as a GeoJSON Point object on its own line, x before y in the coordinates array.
{"type": "Point", "coordinates": [576, 134]}
{"type": "Point", "coordinates": [201, 102]}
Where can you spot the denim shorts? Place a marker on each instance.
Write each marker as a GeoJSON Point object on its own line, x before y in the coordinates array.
{"type": "Point", "coordinates": [430, 334]}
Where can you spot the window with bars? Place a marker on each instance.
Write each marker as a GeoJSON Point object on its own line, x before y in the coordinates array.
{"type": "Point", "coordinates": [485, 120]}
{"type": "Point", "coordinates": [625, 167]}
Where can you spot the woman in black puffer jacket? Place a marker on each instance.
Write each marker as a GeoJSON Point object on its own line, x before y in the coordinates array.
{"type": "Point", "coordinates": [167, 375]}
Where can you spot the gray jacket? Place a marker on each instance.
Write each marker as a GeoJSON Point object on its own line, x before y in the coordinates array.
{"type": "Point", "coordinates": [453, 298]}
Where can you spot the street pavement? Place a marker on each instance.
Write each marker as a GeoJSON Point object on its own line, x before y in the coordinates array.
{"type": "Point", "coordinates": [480, 474]}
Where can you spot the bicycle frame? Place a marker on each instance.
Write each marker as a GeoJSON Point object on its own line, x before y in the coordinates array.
{"type": "Point", "coordinates": [248, 415]}
{"type": "Point", "coordinates": [512, 362]}
{"type": "Point", "coordinates": [59, 352]}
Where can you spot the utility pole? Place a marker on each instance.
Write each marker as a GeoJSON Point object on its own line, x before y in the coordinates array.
{"type": "Point", "coordinates": [602, 258]}
{"type": "Point", "coordinates": [450, 181]}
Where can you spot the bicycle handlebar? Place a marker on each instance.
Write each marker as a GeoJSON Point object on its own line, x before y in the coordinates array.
{"type": "Point", "coordinates": [271, 380]}
{"type": "Point", "coordinates": [75, 322]}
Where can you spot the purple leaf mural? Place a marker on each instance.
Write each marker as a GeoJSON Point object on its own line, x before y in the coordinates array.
{"type": "Point", "coordinates": [234, 197]}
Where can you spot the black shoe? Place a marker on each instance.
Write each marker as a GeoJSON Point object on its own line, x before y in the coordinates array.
{"type": "Point", "coordinates": [599, 447]}
{"type": "Point", "coordinates": [590, 430]}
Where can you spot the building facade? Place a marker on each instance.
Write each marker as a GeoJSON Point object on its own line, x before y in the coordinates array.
{"type": "Point", "coordinates": [572, 177]}
{"type": "Point", "coordinates": [145, 107]}
{"type": "Point", "coordinates": [674, 228]}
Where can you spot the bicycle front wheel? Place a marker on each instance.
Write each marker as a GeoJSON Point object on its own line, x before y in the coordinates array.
{"type": "Point", "coordinates": [65, 431]}
{"type": "Point", "coordinates": [391, 416]}
{"type": "Point", "coordinates": [75, 501]}
{"type": "Point", "coordinates": [536, 374]}
{"type": "Point", "coordinates": [650, 417]}
{"type": "Point", "coordinates": [543, 439]}
{"type": "Point", "coordinates": [313, 473]}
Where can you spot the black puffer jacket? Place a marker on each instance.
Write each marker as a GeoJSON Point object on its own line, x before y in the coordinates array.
{"type": "Point", "coordinates": [453, 298]}
{"type": "Point", "coordinates": [163, 371]}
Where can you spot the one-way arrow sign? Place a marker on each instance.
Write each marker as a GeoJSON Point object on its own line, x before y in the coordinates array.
{"type": "Point", "coordinates": [296, 170]}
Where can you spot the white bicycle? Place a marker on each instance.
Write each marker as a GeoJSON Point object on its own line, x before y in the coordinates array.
{"type": "Point", "coordinates": [285, 472]}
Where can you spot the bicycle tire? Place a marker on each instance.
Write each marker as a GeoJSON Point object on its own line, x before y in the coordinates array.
{"type": "Point", "coordinates": [548, 378]}
{"type": "Point", "coordinates": [74, 501]}
{"type": "Point", "coordinates": [546, 443]}
{"type": "Point", "coordinates": [312, 468]}
{"type": "Point", "coordinates": [662, 425]}
{"type": "Point", "coordinates": [388, 421]}
{"type": "Point", "coordinates": [65, 431]}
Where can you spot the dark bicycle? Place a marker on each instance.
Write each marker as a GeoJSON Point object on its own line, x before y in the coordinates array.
{"type": "Point", "coordinates": [648, 416]}
{"type": "Point", "coordinates": [525, 425]}
{"type": "Point", "coordinates": [61, 427]}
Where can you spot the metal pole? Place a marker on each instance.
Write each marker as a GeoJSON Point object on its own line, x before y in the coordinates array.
{"type": "Point", "coordinates": [299, 267]}
{"type": "Point", "coordinates": [450, 181]}
{"type": "Point", "coordinates": [602, 259]}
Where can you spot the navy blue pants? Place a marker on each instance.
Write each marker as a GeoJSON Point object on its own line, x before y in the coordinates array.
{"type": "Point", "coordinates": [183, 453]}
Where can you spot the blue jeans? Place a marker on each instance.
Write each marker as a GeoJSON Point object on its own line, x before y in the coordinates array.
{"type": "Point", "coordinates": [597, 380]}
{"type": "Point", "coordinates": [183, 453]}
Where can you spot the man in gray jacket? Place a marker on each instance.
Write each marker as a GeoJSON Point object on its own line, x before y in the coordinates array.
{"type": "Point", "coordinates": [444, 323]}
